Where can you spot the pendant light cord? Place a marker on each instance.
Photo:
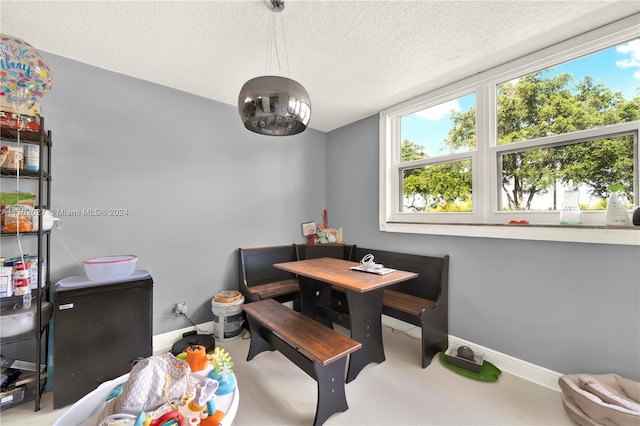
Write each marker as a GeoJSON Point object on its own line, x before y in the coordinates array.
{"type": "Point", "coordinates": [272, 45]}
{"type": "Point", "coordinates": [284, 38]}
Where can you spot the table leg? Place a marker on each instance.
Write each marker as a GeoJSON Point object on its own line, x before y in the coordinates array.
{"type": "Point", "coordinates": [313, 294]}
{"type": "Point", "coordinates": [365, 310]}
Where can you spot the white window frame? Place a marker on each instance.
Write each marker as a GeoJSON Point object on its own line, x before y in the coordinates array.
{"type": "Point", "coordinates": [486, 220]}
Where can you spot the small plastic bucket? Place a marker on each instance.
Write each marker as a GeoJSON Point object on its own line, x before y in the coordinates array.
{"type": "Point", "coordinates": [227, 320]}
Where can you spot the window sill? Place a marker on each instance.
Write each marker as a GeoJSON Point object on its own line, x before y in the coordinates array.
{"type": "Point", "coordinates": [576, 234]}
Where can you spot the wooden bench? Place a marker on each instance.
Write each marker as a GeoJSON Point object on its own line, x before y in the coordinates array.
{"type": "Point", "coordinates": [259, 280]}
{"type": "Point", "coordinates": [318, 350]}
{"type": "Point", "coordinates": [422, 301]}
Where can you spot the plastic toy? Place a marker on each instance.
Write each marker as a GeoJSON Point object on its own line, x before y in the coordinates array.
{"type": "Point", "coordinates": [200, 407]}
{"type": "Point", "coordinates": [197, 357]}
{"type": "Point", "coordinates": [222, 367]}
{"type": "Point", "coordinates": [191, 410]}
{"type": "Point", "coordinates": [170, 418]}
{"type": "Point", "coordinates": [193, 404]}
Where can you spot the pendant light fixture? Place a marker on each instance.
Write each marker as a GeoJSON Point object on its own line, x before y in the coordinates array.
{"type": "Point", "coordinates": [273, 105]}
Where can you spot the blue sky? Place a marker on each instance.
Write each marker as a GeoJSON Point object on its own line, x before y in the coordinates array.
{"type": "Point", "coordinates": [617, 67]}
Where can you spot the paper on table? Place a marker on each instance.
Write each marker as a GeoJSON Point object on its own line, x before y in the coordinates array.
{"type": "Point", "coordinates": [378, 271]}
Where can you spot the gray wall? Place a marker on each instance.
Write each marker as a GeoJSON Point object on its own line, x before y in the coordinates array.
{"type": "Point", "coordinates": [572, 308]}
{"type": "Point", "coordinates": [196, 184]}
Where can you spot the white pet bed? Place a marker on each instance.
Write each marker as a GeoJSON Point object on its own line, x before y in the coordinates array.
{"type": "Point", "coordinates": [604, 399]}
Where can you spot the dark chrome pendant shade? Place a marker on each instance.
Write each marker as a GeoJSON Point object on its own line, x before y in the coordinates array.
{"type": "Point", "coordinates": [275, 106]}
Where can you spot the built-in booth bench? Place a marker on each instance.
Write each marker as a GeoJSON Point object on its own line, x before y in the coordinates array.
{"type": "Point", "coordinates": [259, 280]}
{"type": "Point", "coordinates": [422, 301]}
{"type": "Point", "coordinates": [319, 351]}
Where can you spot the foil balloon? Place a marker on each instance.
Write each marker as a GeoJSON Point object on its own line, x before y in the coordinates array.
{"type": "Point", "coordinates": [25, 76]}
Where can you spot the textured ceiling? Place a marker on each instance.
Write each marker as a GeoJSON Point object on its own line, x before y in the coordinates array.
{"type": "Point", "coordinates": [355, 58]}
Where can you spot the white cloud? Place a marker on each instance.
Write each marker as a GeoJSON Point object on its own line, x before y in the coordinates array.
{"type": "Point", "coordinates": [632, 49]}
{"type": "Point", "coordinates": [437, 112]}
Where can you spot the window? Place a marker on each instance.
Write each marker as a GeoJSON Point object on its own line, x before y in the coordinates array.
{"type": "Point", "coordinates": [503, 146]}
{"type": "Point", "coordinates": [436, 164]}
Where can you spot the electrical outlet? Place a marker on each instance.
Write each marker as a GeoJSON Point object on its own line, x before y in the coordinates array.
{"type": "Point", "coordinates": [180, 308]}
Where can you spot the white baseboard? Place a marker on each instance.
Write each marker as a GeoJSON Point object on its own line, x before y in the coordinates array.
{"type": "Point", "coordinates": [162, 343]}
{"type": "Point", "coordinates": [518, 367]}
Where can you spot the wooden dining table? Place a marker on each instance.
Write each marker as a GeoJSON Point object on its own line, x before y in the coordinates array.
{"type": "Point", "coordinates": [364, 291]}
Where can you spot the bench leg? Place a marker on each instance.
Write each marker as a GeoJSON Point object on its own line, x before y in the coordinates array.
{"type": "Point", "coordinates": [331, 394]}
{"type": "Point", "coordinates": [258, 344]}
{"type": "Point", "coordinates": [435, 336]}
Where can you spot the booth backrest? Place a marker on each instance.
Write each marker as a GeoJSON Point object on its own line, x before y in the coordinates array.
{"type": "Point", "coordinates": [336, 251]}
{"type": "Point", "coordinates": [432, 271]}
{"type": "Point", "coordinates": [256, 264]}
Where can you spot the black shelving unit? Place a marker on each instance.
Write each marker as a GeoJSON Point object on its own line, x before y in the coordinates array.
{"type": "Point", "coordinates": [31, 385]}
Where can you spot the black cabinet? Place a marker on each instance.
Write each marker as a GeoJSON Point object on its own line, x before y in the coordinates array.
{"type": "Point", "coordinates": [100, 330]}
{"type": "Point", "coordinates": [35, 179]}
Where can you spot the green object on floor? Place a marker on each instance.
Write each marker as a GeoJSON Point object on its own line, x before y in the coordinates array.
{"type": "Point", "coordinates": [488, 372]}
